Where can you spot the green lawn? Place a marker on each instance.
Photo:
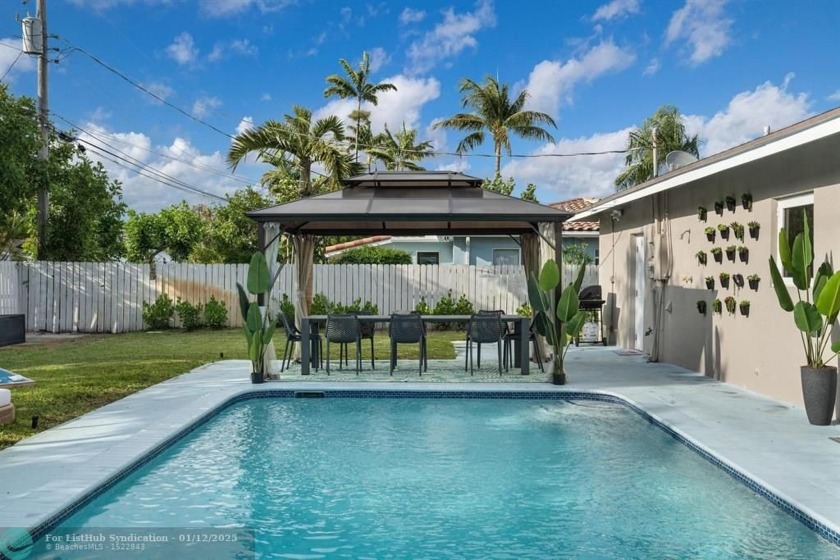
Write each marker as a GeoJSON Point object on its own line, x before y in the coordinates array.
{"type": "Point", "coordinates": [76, 376]}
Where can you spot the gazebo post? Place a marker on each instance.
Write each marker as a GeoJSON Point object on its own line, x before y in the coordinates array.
{"type": "Point", "coordinates": [558, 258]}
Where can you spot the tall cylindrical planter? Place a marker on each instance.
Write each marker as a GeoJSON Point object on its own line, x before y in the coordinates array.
{"type": "Point", "coordinates": [819, 390]}
{"type": "Point", "coordinates": [257, 377]}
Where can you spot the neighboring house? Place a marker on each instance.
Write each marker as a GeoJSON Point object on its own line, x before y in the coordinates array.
{"type": "Point", "coordinates": [652, 278]}
{"type": "Point", "coordinates": [479, 250]}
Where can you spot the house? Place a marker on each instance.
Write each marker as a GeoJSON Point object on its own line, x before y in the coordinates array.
{"type": "Point", "coordinates": [650, 236]}
{"type": "Point", "coordinates": [479, 250]}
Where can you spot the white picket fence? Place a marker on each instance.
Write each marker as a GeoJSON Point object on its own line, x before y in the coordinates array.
{"type": "Point", "coordinates": [108, 297]}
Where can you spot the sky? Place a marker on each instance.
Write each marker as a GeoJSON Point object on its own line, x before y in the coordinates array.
{"type": "Point", "coordinates": [599, 68]}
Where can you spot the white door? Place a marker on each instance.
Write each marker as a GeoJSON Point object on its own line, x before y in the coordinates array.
{"type": "Point", "coordinates": [639, 307]}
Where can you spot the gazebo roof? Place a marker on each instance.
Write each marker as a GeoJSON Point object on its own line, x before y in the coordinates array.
{"type": "Point", "coordinates": [410, 203]}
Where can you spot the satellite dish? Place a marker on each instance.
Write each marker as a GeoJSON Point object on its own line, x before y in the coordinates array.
{"type": "Point", "coordinates": [676, 159]}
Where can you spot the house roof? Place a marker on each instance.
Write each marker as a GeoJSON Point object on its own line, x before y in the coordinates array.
{"type": "Point", "coordinates": [574, 206]}
{"type": "Point", "coordinates": [410, 203]}
{"type": "Point", "coordinates": [810, 130]}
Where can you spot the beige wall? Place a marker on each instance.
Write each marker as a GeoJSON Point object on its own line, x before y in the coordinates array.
{"type": "Point", "coordinates": [761, 352]}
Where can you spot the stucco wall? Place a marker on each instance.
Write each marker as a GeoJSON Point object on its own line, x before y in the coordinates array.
{"type": "Point", "coordinates": [761, 352]}
{"type": "Point", "coordinates": [414, 247]}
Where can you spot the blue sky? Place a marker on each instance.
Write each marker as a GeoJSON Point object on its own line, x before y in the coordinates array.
{"type": "Point", "coordinates": [598, 67]}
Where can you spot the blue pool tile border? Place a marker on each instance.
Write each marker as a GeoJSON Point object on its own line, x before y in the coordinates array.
{"type": "Point", "coordinates": [819, 528]}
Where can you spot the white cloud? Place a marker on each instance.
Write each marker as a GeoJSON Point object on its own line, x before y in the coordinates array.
{"type": "Point", "coordinates": [100, 114]}
{"type": "Point", "coordinates": [246, 123]}
{"type": "Point", "coordinates": [834, 96]}
{"type": "Point", "coordinates": [265, 97]}
{"type": "Point", "coordinates": [160, 89]}
{"type": "Point", "coordinates": [551, 83]}
{"type": "Point", "coordinates": [616, 9]}
{"type": "Point", "coordinates": [102, 5]}
{"type": "Point", "coordinates": [460, 165]}
{"type": "Point", "coordinates": [454, 34]}
{"type": "Point", "coordinates": [703, 26]}
{"type": "Point", "coordinates": [9, 56]}
{"type": "Point", "coordinates": [241, 47]}
{"type": "Point", "coordinates": [183, 49]}
{"type": "Point", "coordinates": [378, 58]}
{"type": "Point", "coordinates": [652, 67]}
{"type": "Point", "coordinates": [225, 8]}
{"type": "Point", "coordinates": [411, 16]}
{"type": "Point", "coordinates": [205, 105]}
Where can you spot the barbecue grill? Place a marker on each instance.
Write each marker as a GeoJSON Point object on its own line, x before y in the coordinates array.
{"type": "Point", "coordinates": [591, 300]}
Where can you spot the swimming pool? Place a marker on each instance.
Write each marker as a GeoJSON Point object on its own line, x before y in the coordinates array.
{"type": "Point", "coordinates": [436, 478]}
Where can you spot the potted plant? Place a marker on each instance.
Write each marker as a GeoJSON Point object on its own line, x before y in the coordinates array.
{"type": "Point", "coordinates": [814, 316]}
{"type": "Point", "coordinates": [746, 201]}
{"type": "Point", "coordinates": [717, 254]}
{"type": "Point", "coordinates": [730, 304]}
{"type": "Point", "coordinates": [724, 231]}
{"type": "Point", "coordinates": [719, 205]}
{"type": "Point", "coordinates": [744, 306]}
{"type": "Point", "coordinates": [258, 328]}
{"type": "Point", "coordinates": [724, 280]}
{"type": "Point", "coordinates": [701, 257]}
{"type": "Point", "coordinates": [744, 253]}
{"type": "Point", "coordinates": [730, 203]}
{"type": "Point", "coordinates": [710, 282]}
{"type": "Point", "coordinates": [710, 233]}
{"type": "Point", "coordinates": [754, 227]}
{"type": "Point", "coordinates": [738, 230]}
{"type": "Point", "coordinates": [567, 311]}
{"type": "Point", "coordinates": [753, 280]}
{"type": "Point", "coordinates": [730, 252]}
{"type": "Point", "coordinates": [701, 213]}
{"type": "Point", "coordinates": [701, 306]}
{"type": "Point", "coordinates": [738, 280]}
{"type": "Point", "coordinates": [717, 306]}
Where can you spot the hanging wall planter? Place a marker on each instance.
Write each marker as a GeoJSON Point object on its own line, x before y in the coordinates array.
{"type": "Point", "coordinates": [701, 213]}
{"type": "Point", "coordinates": [746, 201]}
{"type": "Point", "coordinates": [719, 205]}
{"type": "Point", "coordinates": [753, 280]}
{"type": "Point", "coordinates": [744, 253]}
{"type": "Point", "coordinates": [717, 306]}
{"type": "Point", "coordinates": [738, 280]}
{"type": "Point", "coordinates": [717, 254]}
{"type": "Point", "coordinates": [754, 227]}
{"type": "Point", "coordinates": [730, 305]}
{"type": "Point", "coordinates": [724, 231]}
{"type": "Point", "coordinates": [701, 306]}
{"type": "Point", "coordinates": [710, 233]}
{"type": "Point", "coordinates": [730, 252]}
{"type": "Point", "coordinates": [731, 203]}
{"type": "Point", "coordinates": [710, 282]}
{"type": "Point", "coordinates": [701, 257]}
{"type": "Point", "coordinates": [744, 306]}
{"type": "Point", "coordinates": [738, 231]}
{"type": "Point", "coordinates": [724, 280]}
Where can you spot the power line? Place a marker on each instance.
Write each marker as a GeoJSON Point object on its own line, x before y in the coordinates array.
{"type": "Point", "coordinates": [9, 69]}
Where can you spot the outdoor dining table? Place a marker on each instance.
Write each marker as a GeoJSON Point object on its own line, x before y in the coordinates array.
{"type": "Point", "coordinates": [307, 359]}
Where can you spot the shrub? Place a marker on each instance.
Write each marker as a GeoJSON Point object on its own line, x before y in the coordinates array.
{"type": "Point", "coordinates": [524, 310]}
{"type": "Point", "coordinates": [423, 307]}
{"type": "Point", "coordinates": [320, 305]}
{"type": "Point", "coordinates": [287, 308]}
{"type": "Point", "coordinates": [372, 255]}
{"type": "Point", "coordinates": [215, 314]}
{"type": "Point", "coordinates": [158, 314]}
{"type": "Point", "coordinates": [190, 314]}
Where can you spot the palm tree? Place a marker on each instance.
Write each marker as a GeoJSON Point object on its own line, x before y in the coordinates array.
{"type": "Point", "coordinates": [356, 84]}
{"type": "Point", "coordinates": [670, 136]}
{"type": "Point", "coordinates": [496, 113]}
{"type": "Point", "coordinates": [298, 142]}
{"type": "Point", "coordinates": [399, 151]}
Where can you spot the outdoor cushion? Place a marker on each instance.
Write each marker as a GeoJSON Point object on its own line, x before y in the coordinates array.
{"type": "Point", "coordinates": [7, 414]}
{"type": "Point", "coordinates": [5, 397]}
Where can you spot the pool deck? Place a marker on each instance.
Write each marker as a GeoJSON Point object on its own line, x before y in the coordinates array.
{"type": "Point", "coordinates": [769, 441]}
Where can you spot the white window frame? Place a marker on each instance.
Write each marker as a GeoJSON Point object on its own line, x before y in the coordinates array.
{"type": "Point", "coordinates": [783, 204]}
{"type": "Point", "coordinates": [518, 255]}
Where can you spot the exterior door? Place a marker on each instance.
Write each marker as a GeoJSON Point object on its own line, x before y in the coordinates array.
{"type": "Point", "coordinates": [639, 284]}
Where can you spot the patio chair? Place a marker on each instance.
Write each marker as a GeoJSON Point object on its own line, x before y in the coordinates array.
{"type": "Point", "coordinates": [344, 329]}
{"type": "Point", "coordinates": [492, 313]}
{"type": "Point", "coordinates": [512, 337]}
{"type": "Point", "coordinates": [293, 335]}
{"type": "Point", "coordinates": [408, 328]}
{"type": "Point", "coordinates": [484, 329]}
{"type": "Point", "coordinates": [367, 330]}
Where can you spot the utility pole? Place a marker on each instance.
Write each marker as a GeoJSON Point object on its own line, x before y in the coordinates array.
{"type": "Point", "coordinates": [43, 121]}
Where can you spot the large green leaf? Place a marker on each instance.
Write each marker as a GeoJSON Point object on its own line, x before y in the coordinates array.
{"type": "Point", "coordinates": [800, 260]}
{"type": "Point", "coordinates": [579, 278]}
{"type": "Point", "coordinates": [836, 347]}
{"type": "Point", "coordinates": [534, 294]}
{"type": "Point", "coordinates": [258, 277]}
{"type": "Point", "coordinates": [541, 322]}
{"type": "Point", "coordinates": [824, 272]}
{"type": "Point", "coordinates": [249, 336]}
{"type": "Point", "coordinates": [244, 302]}
{"type": "Point", "coordinates": [779, 285]}
{"type": "Point", "coordinates": [828, 302]}
{"type": "Point", "coordinates": [573, 327]}
{"type": "Point", "coordinates": [784, 250]}
{"type": "Point", "coordinates": [569, 305]}
{"type": "Point", "coordinates": [806, 317]}
{"type": "Point", "coordinates": [254, 318]}
{"type": "Point", "coordinates": [269, 332]}
{"type": "Point", "coordinates": [550, 276]}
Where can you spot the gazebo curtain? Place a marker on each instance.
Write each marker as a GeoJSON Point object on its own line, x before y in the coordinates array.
{"type": "Point", "coordinates": [531, 260]}
{"type": "Point", "coordinates": [304, 271]}
{"type": "Point", "coordinates": [272, 304]}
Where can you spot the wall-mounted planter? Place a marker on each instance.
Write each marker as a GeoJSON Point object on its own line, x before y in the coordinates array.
{"type": "Point", "coordinates": [746, 201]}
{"type": "Point", "coordinates": [717, 306]}
{"type": "Point", "coordinates": [738, 231]}
{"type": "Point", "coordinates": [730, 304]}
{"type": "Point", "coordinates": [738, 280]}
{"type": "Point", "coordinates": [754, 228]}
{"type": "Point", "coordinates": [719, 206]}
{"type": "Point", "coordinates": [724, 280]}
{"type": "Point", "coordinates": [701, 306]}
{"type": "Point", "coordinates": [730, 252]}
{"type": "Point", "coordinates": [12, 329]}
{"type": "Point", "coordinates": [744, 253]}
{"type": "Point", "coordinates": [724, 231]}
{"type": "Point", "coordinates": [710, 282]}
{"type": "Point", "coordinates": [717, 254]}
{"type": "Point", "coordinates": [701, 257]}
{"type": "Point", "coordinates": [753, 280]}
{"type": "Point", "coordinates": [701, 213]}
{"type": "Point", "coordinates": [731, 203]}
{"type": "Point", "coordinates": [745, 308]}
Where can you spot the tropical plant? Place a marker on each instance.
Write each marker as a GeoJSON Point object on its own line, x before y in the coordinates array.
{"type": "Point", "coordinates": [496, 113]}
{"type": "Point", "coordinates": [577, 254]}
{"type": "Point", "coordinates": [258, 327]}
{"type": "Point", "coordinates": [400, 151]}
{"type": "Point", "coordinates": [524, 310]}
{"type": "Point", "coordinates": [815, 314]}
{"type": "Point", "coordinates": [567, 311]}
{"type": "Point", "coordinates": [670, 132]}
{"type": "Point", "coordinates": [738, 230]}
{"type": "Point", "coordinates": [356, 84]}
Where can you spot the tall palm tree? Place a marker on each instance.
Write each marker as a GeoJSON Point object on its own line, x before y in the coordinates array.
{"type": "Point", "coordinates": [670, 136]}
{"type": "Point", "coordinates": [299, 141]}
{"type": "Point", "coordinates": [399, 151]}
{"type": "Point", "coordinates": [355, 84]}
{"type": "Point", "coordinates": [498, 114]}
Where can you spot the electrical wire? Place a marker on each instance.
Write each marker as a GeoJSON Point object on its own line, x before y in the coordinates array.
{"type": "Point", "coordinates": [9, 69]}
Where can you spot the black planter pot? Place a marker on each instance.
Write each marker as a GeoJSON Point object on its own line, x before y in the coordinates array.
{"type": "Point", "coordinates": [819, 390]}
{"type": "Point", "coordinates": [257, 377]}
{"type": "Point", "coordinates": [744, 257]}
{"type": "Point", "coordinates": [558, 378]}
{"type": "Point", "coordinates": [710, 237]}
{"type": "Point", "coordinates": [710, 284]}
{"type": "Point", "coordinates": [754, 233]}
{"type": "Point", "coordinates": [730, 255]}
{"type": "Point", "coordinates": [754, 284]}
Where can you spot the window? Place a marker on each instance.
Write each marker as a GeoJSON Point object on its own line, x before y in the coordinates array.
{"type": "Point", "coordinates": [791, 216]}
{"type": "Point", "coordinates": [428, 257]}
{"type": "Point", "coordinates": [505, 257]}
{"type": "Point", "coordinates": [597, 256]}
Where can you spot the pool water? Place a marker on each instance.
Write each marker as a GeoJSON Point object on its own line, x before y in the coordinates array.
{"type": "Point", "coordinates": [451, 478]}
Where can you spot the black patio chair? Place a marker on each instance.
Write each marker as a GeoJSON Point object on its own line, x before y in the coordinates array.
{"type": "Point", "coordinates": [344, 329]}
{"type": "Point", "coordinates": [484, 329]}
{"type": "Point", "coordinates": [492, 313]}
{"type": "Point", "coordinates": [512, 337]}
{"type": "Point", "coordinates": [293, 335]}
{"type": "Point", "coordinates": [408, 328]}
{"type": "Point", "coordinates": [367, 330]}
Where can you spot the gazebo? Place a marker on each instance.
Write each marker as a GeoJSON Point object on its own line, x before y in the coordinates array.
{"type": "Point", "coordinates": [406, 203]}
